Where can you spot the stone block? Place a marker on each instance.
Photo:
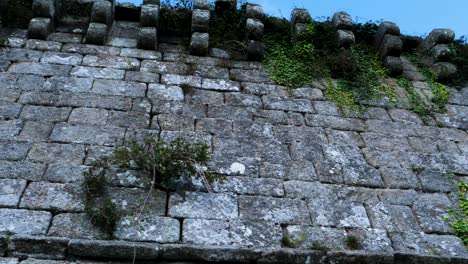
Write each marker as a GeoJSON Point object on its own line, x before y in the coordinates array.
{"type": "Point", "coordinates": [208, 254]}
{"type": "Point", "coordinates": [390, 46]}
{"type": "Point", "coordinates": [394, 65]}
{"type": "Point", "coordinates": [149, 15]}
{"type": "Point", "coordinates": [220, 85]}
{"type": "Point", "coordinates": [342, 20]}
{"type": "Point", "coordinates": [222, 6]}
{"type": "Point", "coordinates": [65, 173]}
{"type": "Point", "coordinates": [14, 151]}
{"type": "Point", "coordinates": [24, 222]}
{"type": "Point", "coordinates": [41, 247]}
{"type": "Point", "coordinates": [50, 152]}
{"type": "Point", "coordinates": [251, 186]}
{"type": "Point", "coordinates": [165, 92]}
{"type": "Point", "coordinates": [255, 50]}
{"type": "Point", "coordinates": [116, 62]}
{"type": "Point", "coordinates": [40, 28]}
{"type": "Point", "coordinates": [21, 170]}
{"type": "Point", "coordinates": [148, 229]}
{"type": "Point", "coordinates": [300, 15]}
{"type": "Point", "coordinates": [201, 4]}
{"type": "Point", "coordinates": [91, 49]}
{"type": "Point", "coordinates": [76, 226]}
{"type": "Point", "coordinates": [45, 113]}
{"type": "Point", "coordinates": [141, 54]}
{"type": "Point", "coordinates": [431, 210]}
{"type": "Point", "coordinates": [146, 77]}
{"type": "Point", "coordinates": [441, 52]}
{"type": "Point", "coordinates": [385, 28]}
{"type": "Point", "coordinates": [254, 29]}
{"type": "Point", "coordinates": [344, 38]}
{"type": "Point", "coordinates": [96, 34]}
{"type": "Point", "coordinates": [61, 58]}
{"type": "Point", "coordinates": [164, 67]}
{"type": "Point", "coordinates": [37, 44]}
{"type": "Point", "coordinates": [393, 218]}
{"type": "Point", "coordinates": [204, 205]}
{"type": "Point", "coordinates": [439, 36]}
{"type": "Point", "coordinates": [112, 249]}
{"type": "Point", "coordinates": [10, 192]}
{"type": "Point", "coordinates": [102, 12]}
{"type": "Point", "coordinates": [273, 210]}
{"type": "Point", "coordinates": [122, 88]}
{"type": "Point", "coordinates": [97, 73]}
{"type": "Point", "coordinates": [65, 133]}
{"type": "Point", "coordinates": [429, 245]}
{"type": "Point", "coordinates": [254, 11]}
{"type": "Point", "coordinates": [43, 8]}
{"type": "Point", "coordinates": [201, 20]}
{"type": "Point", "coordinates": [199, 44]}
{"type": "Point", "coordinates": [148, 38]}
{"type": "Point", "coordinates": [70, 84]}
{"type": "Point", "coordinates": [444, 70]}
{"type": "Point", "coordinates": [53, 196]}
{"type": "Point", "coordinates": [253, 76]}
{"type": "Point", "coordinates": [297, 30]}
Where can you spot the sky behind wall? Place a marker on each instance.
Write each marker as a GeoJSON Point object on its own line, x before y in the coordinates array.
{"type": "Point", "coordinates": [415, 17]}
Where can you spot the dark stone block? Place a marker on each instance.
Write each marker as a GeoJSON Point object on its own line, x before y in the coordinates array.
{"type": "Point", "coordinates": [40, 28]}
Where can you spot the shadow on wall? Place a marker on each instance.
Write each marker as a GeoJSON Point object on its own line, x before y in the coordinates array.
{"type": "Point", "coordinates": [15, 13]}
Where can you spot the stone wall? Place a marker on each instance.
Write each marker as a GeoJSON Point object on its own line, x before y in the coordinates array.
{"type": "Point", "coordinates": [299, 173]}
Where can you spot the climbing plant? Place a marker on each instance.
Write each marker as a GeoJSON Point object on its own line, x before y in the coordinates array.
{"type": "Point", "coordinates": [458, 215]}
{"type": "Point", "coordinates": [315, 56]}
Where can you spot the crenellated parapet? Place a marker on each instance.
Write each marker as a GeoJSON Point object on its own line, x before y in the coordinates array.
{"type": "Point", "coordinates": [388, 43]}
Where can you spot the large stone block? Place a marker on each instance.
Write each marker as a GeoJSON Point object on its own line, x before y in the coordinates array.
{"type": "Point", "coordinates": [439, 36]}
{"type": "Point", "coordinates": [385, 28]}
{"type": "Point", "coordinates": [344, 38]}
{"type": "Point", "coordinates": [148, 228]}
{"type": "Point", "coordinates": [96, 34]}
{"type": "Point", "coordinates": [43, 8]}
{"type": "Point", "coordinates": [40, 28]}
{"type": "Point", "coordinates": [300, 15]}
{"type": "Point", "coordinates": [254, 11]}
{"type": "Point", "coordinates": [53, 196]}
{"type": "Point", "coordinates": [200, 20]}
{"type": "Point", "coordinates": [199, 44]}
{"type": "Point", "coordinates": [148, 38]}
{"type": "Point", "coordinates": [254, 29]}
{"type": "Point", "coordinates": [444, 70]}
{"type": "Point", "coordinates": [394, 65]}
{"type": "Point", "coordinates": [441, 52]}
{"type": "Point", "coordinates": [342, 20]}
{"type": "Point", "coordinates": [390, 46]}
{"type": "Point", "coordinates": [102, 12]}
{"type": "Point", "coordinates": [204, 205]}
{"type": "Point", "coordinates": [201, 4]}
{"type": "Point", "coordinates": [24, 222]}
{"type": "Point", "coordinates": [149, 16]}
{"type": "Point", "coordinates": [112, 249]}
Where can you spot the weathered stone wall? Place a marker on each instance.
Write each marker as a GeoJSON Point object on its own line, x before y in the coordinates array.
{"type": "Point", "coordinates": [297, 169]}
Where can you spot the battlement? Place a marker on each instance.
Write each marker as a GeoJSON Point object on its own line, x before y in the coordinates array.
{"type": "Point", "coordinates": [307, 180]}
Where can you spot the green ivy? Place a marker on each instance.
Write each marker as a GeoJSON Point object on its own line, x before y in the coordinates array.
{"type": "Point", "coordinates": [314, 56]}
{"type": "Point", "coordinates": [415, 100]}
{"type": "Point", "coordinates": [439, 90]}
{"type": "Point", "coordinates": [458, 219]}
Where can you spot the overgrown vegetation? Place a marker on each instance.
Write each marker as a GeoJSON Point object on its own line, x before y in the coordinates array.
{"type": "Point", "coordinates": [421, 102]}
{"type": "Point", "coordinates": [293, 243]}
{"type": "Point", "coordinates": [352, 243]}
{"type": "Point", "coordinates": [163, 163]}
{"type": "Point", "coordinates": [227, 29]}
{"type": "Point", "coordinates": [458, 215]}
{"type": "Point", "coordinates": [460, 59]}
{"type": "Point", "coordinates": [175, 19]}
{"type": "Point", "coordinates": [315, 56]}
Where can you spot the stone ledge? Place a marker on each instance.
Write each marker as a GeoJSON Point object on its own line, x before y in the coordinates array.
{"type": "Point", "coordinates": [62, 248]}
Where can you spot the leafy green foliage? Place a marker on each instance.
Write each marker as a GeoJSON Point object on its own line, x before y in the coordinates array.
{"type": "Point", "coordinates": [164, 163]}
{"type": "Point", "coordinates": [419, 106]}
{"type": "Point", "coordinates": [439, 91]}
{"type": "Point", "coordinates": [352, 243]}
{"type": "Point", "coordinates": [458, 219]}
{"type": "Point", "coordinates": [460, 59]}
{"type": "Point", "coordinates": [314, 56]}
{"type": "Point", "coordinates": [227, 30]}
{"type": "Point", "coordinates": [175, 19]}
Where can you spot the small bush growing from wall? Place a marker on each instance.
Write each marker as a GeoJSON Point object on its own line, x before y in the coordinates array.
{"type": "Point", "coordinates": [163, 163]}
{"type": "Point", "coordinates": [458, 215]}
{"type": "Point", "coordinates": [460, 59]}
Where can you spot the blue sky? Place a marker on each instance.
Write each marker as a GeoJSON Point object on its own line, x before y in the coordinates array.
{"type": "Point", "coordinates": [415, 17]}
